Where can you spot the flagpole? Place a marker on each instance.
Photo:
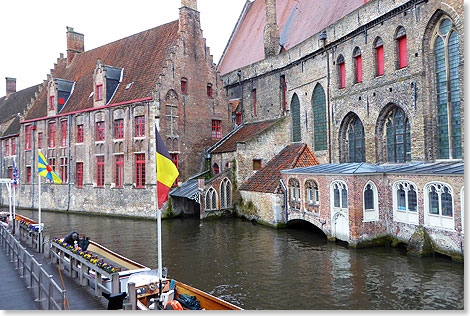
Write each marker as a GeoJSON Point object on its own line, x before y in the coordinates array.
{"type": "Point", "coordinates": [159, 226]}
{"type": "Point", "coordinates": [39, 201]}
{"type": "Point", "coordinates": [14, 195]}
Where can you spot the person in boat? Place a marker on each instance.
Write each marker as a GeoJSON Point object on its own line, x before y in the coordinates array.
{"type": "Point", "coordinates": [71, 238]}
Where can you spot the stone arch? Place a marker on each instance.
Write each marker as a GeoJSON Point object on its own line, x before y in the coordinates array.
{"type": "Point", "coordinates": [210, 200]}
{"type": "Point", "coordinates": [171, 95]}
{"type": "Point", "coordinates": [380, 131]}
{"type": "Point", "coordinates": [351, 139]}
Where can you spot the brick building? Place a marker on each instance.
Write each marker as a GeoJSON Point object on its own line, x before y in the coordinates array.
{"type": "Point", "coordinates": [361, 81]}
{"type": "Point", "coordinates": [94, 118]}
{"type": "Point", "coordinates": [12, 106]}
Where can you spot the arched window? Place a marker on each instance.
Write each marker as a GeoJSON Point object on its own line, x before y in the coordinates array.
{"type": "Point", "coordinates": [379, 56]}
{"type": "Point", "coordinates": [216, 169]}
{"type": "Point", "coordinates": [397, 129]}
{"type": "Point", "coordinates": [352, 140]}
{"type": "Point", "coordinates": [295, 108]}
{"type": "Point", "coordinates": [319, 118]}
{"type": "Point", "coordinates": [405, 202]}
{"type": "Point", "coordinates": [447, 62]}
{"type": "Point", "coordinates": [402, 60]}
{"type": "Point", "coordinates": [211, 200]}
{"type": "Point", "coordinates": [371, 202]}
{"type": "Point", "coordinates": [357, 59]}
{"type": "Point", "coordinates": [339, 193]}
{"type": "Point", "coordinates": [341, 72]}
{"type": "Point", "coordinates": [225, 194]}
{"type": "Point", "coordinates": [439, 205]}
{"type": "Point", "coordinates": [294, 193]}
{"type": "Point", "coordinates": [311, 193]}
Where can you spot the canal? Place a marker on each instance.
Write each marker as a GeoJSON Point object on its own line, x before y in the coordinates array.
{"type": "Point", "coordinates": [257, 267]}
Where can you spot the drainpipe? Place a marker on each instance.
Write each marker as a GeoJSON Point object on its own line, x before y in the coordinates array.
{"type": "Point", "coordinates": [285, 197]}
{"type": "Point", "coordinates": [322, 37]}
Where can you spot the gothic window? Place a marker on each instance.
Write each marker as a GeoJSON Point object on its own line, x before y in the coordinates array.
{"type": "Point", "coordinates": [171, 120]}
{"type": "Point", "coordinates": [357, 60]}
{"type": "Point", "coordinates": [439, 205]}
{"type": "Point", "coordinates": [371, 202]}
{"type": "Point", "coordinates": [405, 202]}
{"type": "Point", "coordinates": [398, 137]}
{"type": "Point", "coordinates": [352, 139]}
{"type": "Point", "coordinates": [311, 192]}
{"type": "Point", "coordinates": [211, 200]}
{"type": "Point", "coordinates": [339, 194]}
{"type": "Point", "coordinates": [225, 194]}
{"type": "Point", "coordinates": [447, 62]}
{"type": "Point", "coordinates": [319, 118]}
{"type": "Point", "coordinates": [295, 108]}
{"type": "Point", "coordinates": [294, 190]}
{"type": "Point", "coordinates": [379, 55]}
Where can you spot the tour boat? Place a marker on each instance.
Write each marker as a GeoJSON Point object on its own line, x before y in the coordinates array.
{"type": "Point", "coordinates": [146, 280]}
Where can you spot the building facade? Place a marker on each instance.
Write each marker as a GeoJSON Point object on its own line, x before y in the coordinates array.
{"type": "Point", "coordinates": [95, 118]}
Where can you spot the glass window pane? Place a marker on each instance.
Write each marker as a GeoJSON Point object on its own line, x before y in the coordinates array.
{"type": "Point", "coordinates": [433, 202]}
{"type": "Point", "coordinates": [445, 26]}
{"type": "Point", "coordinates": [336, 197]}
{"type": "Point", "coordinates": [401, 199]}
{"type": "Point", "coordinates": [446, 200]}
{"type": "Point", "coordinates": [412, 200]}
{"type": "Point", "coordinates": [344, 198]}
{"type": "Point", "coordinates": [319, 118]}
{"type": "Point", "coordinates": [369, 198]}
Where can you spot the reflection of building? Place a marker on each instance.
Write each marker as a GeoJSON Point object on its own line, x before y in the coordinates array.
{"type": "Point", "coordinates": [358, 82]}
{"type": "Point", "coordinates": [95, 115]}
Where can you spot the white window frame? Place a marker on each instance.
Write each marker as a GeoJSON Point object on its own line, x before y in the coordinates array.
{"type": "Point", "coordinates": [405, 216]}
{"type": "Point", "coordinates": [211, 192]}
{"type": "Point", "coordinates": [370, 215]}
{"type": "Point", "coordinates": [344, 211]}
{"type": "Point", "coordinates": [223, 193]}
{"type": "Point", "coordinates": [438, 220]}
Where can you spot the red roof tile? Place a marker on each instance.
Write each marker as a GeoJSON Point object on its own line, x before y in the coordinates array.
{"type": "Point", "coordinates": [297, 20]}
{"type": "Point", "coordinates": [242, 134]}
{"type": "Point", "coordinates": [267, 178]}
{"type": "Point", "coordinates": [142, 56]}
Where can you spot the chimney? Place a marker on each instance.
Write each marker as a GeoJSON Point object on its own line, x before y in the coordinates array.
{"type": "Point", "coordinates": [75, 44]}
{"type": "Point", "coordinates": [271, 30]}
{"type": "Point", "coordinates": [192, 4]}
{"type": "Point", "coordinates": [10, 85]}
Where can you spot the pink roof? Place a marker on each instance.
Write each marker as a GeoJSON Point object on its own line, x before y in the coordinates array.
{"type": "Point", "coordinates": [297, 20]}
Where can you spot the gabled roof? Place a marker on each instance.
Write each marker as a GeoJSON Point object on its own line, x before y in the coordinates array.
{"type": "Point", "coordinates": [297, 21]}
{"type": "Point", "coordinates": [241, 134]}
{"type": "Point", "coordinates": [187, 190]}
{"type": "Point", "coordinates": [267, 178]}
{"type": "Point", "coordinates": [15, 104]}
{"type": "Point", "coordinates": [423, 168]}
{"type": "Point", "coordinates": [142, 56]}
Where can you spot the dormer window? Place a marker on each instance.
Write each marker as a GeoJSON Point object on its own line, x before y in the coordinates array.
{"type": "Point", "coordinates": [209, 90]}
{"type": "Point", "coordinates": [99, 92]}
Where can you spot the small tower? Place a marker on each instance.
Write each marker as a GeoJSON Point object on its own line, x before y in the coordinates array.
{"type": "Point", "coordinates": [271, 30]}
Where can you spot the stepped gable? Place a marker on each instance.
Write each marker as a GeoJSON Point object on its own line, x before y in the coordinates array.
{"type": "Point", "coordinates": [142, 56]}
{"type": "Point", "coordinates": [245, 132]}
{"type": "Point", "coordinates": [297, 21]}
{"type": "Point", "coordinates": [266, 179]}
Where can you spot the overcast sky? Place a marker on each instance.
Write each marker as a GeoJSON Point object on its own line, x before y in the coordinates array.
{"type": "Point", "coordinates": [32, 32]}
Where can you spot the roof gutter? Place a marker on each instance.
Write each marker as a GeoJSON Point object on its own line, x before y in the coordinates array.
{"type": "Point", "coordinates": [87, 110]}
{"type": "Point", "coordinates": [8, 136]}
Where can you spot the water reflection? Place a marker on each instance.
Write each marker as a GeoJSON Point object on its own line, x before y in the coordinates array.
{"type": "Point", "coordinates": [257, 267]}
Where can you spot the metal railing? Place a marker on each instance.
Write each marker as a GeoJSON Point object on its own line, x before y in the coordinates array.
{"type": "Point", "coordinates": [44, 288]}
{"type": "Point", "coordinates": [78, 266]}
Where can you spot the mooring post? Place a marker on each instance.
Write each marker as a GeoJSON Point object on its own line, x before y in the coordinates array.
{"type": "Point", "coordinates": [98, 282]}
{"type": "Point", "coordinates": [115, 284]}
{"type": "Point", "coordinates": [132, 295]}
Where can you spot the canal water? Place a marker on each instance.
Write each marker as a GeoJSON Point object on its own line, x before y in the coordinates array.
{"type": "Point", "coordinates": [257, 267]}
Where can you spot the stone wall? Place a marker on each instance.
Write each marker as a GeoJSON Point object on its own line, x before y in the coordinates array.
{"type": "Point", "coordinates": [263, 207]}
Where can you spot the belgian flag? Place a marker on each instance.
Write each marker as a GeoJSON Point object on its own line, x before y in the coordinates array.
{"type": "Point", "coordinates": [166, 170]}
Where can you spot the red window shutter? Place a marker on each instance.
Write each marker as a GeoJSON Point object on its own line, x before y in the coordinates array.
{"type": "Point", "coordinates": [79, 174]}
{"type": "Point", "coordinates": [51, 102]}
{"type": "Point", "coordinates": [359, 68]}
{"type": "Point", "coordinates": [79, 133]}
{"type": "Point", "coordinates": [99, 92]}
{"type": "Point", "coordinates": [342, 68]}
{"type": "Point", "coordinates": [63, 134]}
{"type": "Point", "coordinates": [140, 171]}
{"type": "Point", "coordinates": [119, 177]}
{"type": "Point", "coordinates": [6, 148]}
{"type": "Point", "coordinates": [13, 146]}
{"type": "Point", "coordinates": [100, 171]}
{"type": "Point", "coordinates": [61, 101]}
{"type": "Point", "coordinates": [380, 61]}
{"type": "Point", "coordinates": [403, 51]}
{"type": "Point", "coordinates": [28, 174]}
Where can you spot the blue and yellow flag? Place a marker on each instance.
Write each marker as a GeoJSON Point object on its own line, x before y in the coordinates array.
{"type": "Point", "coordinates": [46, 171]}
